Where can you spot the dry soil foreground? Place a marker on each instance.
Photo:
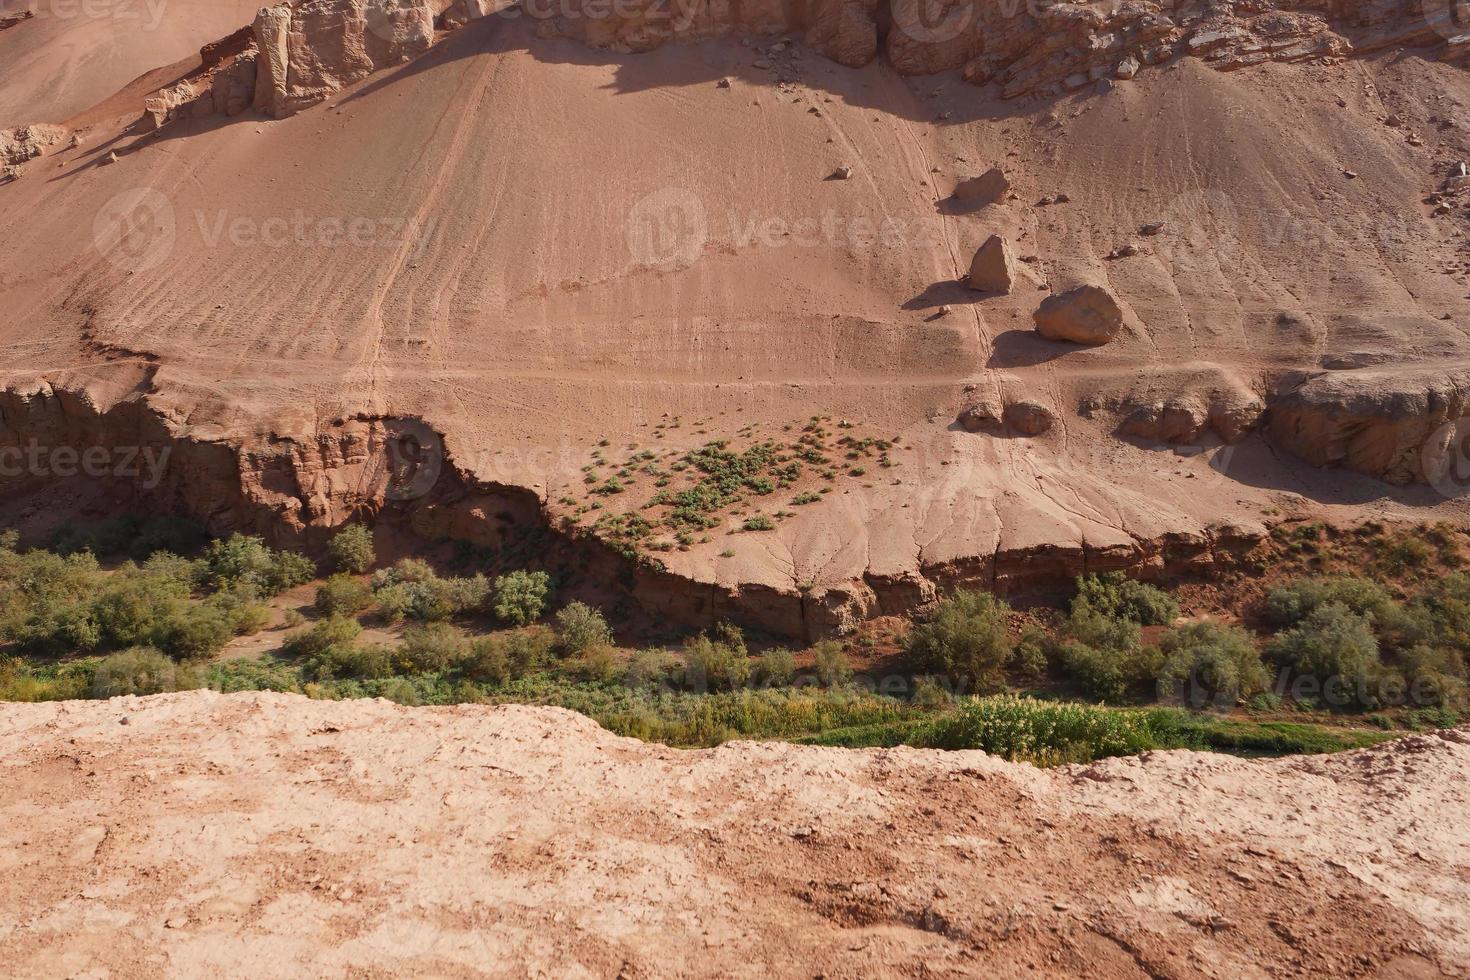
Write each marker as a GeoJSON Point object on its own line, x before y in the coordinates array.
{"type": "Point", "coordinates": [265, 835]}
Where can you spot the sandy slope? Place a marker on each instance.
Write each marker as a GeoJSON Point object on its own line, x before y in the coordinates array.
{"type": "Point", "coordinates": [74, 54]}
{"type": "Point", "coordinates": [507, 287]}
{"type": "Point", "coordinates": [265, 835]}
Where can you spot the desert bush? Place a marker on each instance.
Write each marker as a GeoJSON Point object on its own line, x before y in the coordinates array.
{"type": "Point", "coordinates": [832, 666]}
{"type": "Point", "coordinates": [651, 670]}
{"type": "Point", "coordinates": [1042, 732]}
{"type": "Point", "coordinates": [1033, 654]}
{"type": "Point", "coordinates": [931, 695]}
{"type": "Point", "coordinates": [1106, 656]}
{"type": "Point", "coordinates": [1336, 647]}
{"type": "Point", "coordinates": [711, 665]}
{"type": "Point", "coordinates": [430, 649]}
{"type": "Point", "coordinates": [1206, 663]}
{"type": "Point", "coordinates": [580, 628]}
{"type": "Point", "coordinates": [1435, 676]}
{"type": "Point", "coordinates": [342, 660]}
{"type": "Point", "coordinates": [324, 634]}
{"type": "Point", "coordinates": [141, 671]}
{"type": "Point", "coordinates": [1288, 605]}
{"type": "Point", "coordinates": [964, 637]}
{"type": "Point", "coordinates": [520, 597]}
{"type": "Point", "coordinates": [242, 558]}
{"type": "Point", "coordinates": [405, 570]}
{"type": "Point", "coordinates": [776, 668]}
{"type": "Point", "coordinates": [1115, 596]}
{"type": "Point", "coordinates": [134, 607]}
{"type": "Point", "coordinates": [194, 632]}
{"type": "Point", "coordinates": [599, 665]}
{"type": "Point", "coordinates": [351, 550]}
{"type": "Point", "coordinates": [487, 661]}
{"type": "Point", "coordinates": [242, 609]}
{"type": "Point", "coordinates": [343, 595]}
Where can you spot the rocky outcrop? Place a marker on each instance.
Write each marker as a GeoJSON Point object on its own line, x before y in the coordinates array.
{"type": "Point", "coordinates": [1085, 315]}
{"type": "Point", "coordinates": [308, 51]}
{"type": "Point", "coordinates": [297, 489]}
{"type": "Point", "coordinates": [1378, 422]}
{"type": "Point", "coordinates": [1190, 418]}
{"type": "Point", "coordinates": [24, 143]}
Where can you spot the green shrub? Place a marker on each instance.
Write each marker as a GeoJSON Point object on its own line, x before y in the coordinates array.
{"type": "Point", "coordinates": [1106, 656]}
{"type": "Point", "coordinates": [402, 571]}
{"type": "Point", "coordinates": [931, 695]}
{"type": "Point", "coordinates": [1206, 663]}
{"type": "Point", "coordinates": [1335, 647]}
{"type": "Point", "coordinates": [529, 650]}
{"type": "Point", "coordinates": [651, 670]}
{"type": "Point", "coordinates": [598, 664]}
{"type": "Point", "coordinates": [581, 628]}
{"type": "Point", "coordinates": [335, 661]}
{"type": "Point", "coordinates": [140, 671]}
{"type": "Point", "coordinates": [431, 649]}
{"type": "Point", "coordinates": [1043, 732]}
{"type": "Point", "coordinates": [776, 668]}
{"type": "Point", "coordinates": [242, 609]}
{"type": "Point", "coordinates": [1435, 676]}
{"type": "Point", "coordinates": [1288, 605]}
{"type": "Point", "coordinates": [521, 597]}
{"type": "Point", "coordinates": [832, 666]}
{"type": "Point", "coordinates": [324, 634]}
{"type": "Point", "coordinates": [487, 662]}
{"type": "Point", "coordinates": [711, 665]}
{"type": "Point", "coordinates": [242, 558]}
{"type": "Point", "coordinates": [343, 595]}
{"type": "Point", "coordinates": [964, 637]}
{"type": "Point", "coordinates": [351, 550]}
{"type": "Point", "coordinates": [1032, 657]}
{"type": "Point", "coordinates": [195, 632]}
{"type": "Point", "coordinates": [1115, 596]}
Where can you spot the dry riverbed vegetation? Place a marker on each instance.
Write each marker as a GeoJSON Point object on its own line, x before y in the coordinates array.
{"type": "Point", "coordinates": [1332, 639]}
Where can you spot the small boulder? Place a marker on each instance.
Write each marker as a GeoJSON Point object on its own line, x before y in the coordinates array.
{"type": "Point", "coordinates": [994, 267]}
{"type": "Point", "coordinates": [1128, 67]}
{"type": "Point", "coordinates": [1085, 315]}
{"type": "Point", "coordinates": [988, 188]}
{"type": "Point", "coordinates": [1029, 418]}
{"type": "Point", "coordinates": [979, 417]}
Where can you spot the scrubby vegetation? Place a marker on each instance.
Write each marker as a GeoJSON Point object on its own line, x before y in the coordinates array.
{"type": "Point", "coordinates": [1333, 654]}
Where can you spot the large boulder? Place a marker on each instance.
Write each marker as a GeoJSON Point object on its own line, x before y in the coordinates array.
{"type": "Point", "coordinates": [994, 269]}
{"type": "Point", "coordinates": [1390, 424]}
{"type": "Point", "coordinates": [1085, 315]}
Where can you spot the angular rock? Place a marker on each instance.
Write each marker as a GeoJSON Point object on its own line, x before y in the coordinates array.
{"type": "Point", "coordinates": [994, 269]}
{"type": "Point", "coordinates": [989, 188]}
{"type": "Point", "coordinates": [979, 417]}
{"type": "Point", "coordinates": [1085, 315]}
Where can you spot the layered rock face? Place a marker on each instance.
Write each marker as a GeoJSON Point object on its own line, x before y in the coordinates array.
{"type": "Point", "coordinates": [1382, 423]}
{"type": "Point", "coordinates": [305, 52]}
